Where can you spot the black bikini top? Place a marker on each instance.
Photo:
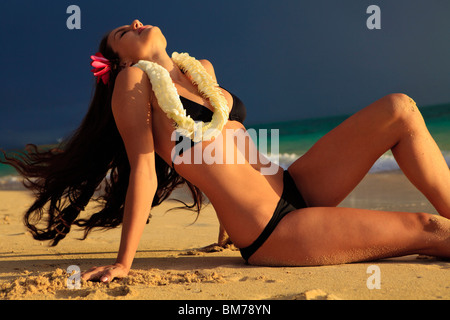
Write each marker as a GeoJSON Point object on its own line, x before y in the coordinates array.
{"type": "Point", "coordinates": [201, 113]}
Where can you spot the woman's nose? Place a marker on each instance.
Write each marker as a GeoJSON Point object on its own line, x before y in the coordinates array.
{"type": "Point", "coordinates": [136, 24]}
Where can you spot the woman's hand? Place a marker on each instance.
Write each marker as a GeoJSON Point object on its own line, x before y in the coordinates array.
{"type": "Point", "coordinates": [105, 273]}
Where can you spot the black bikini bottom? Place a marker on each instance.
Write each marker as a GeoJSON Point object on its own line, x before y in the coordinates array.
{"type": "Point", "coordinates": [290, 200]}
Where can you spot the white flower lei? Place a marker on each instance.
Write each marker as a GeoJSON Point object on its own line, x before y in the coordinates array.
{"type": "Point", "coordinates": [168, 99]}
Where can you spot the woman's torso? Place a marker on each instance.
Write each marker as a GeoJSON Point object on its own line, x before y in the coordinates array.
{"type": "Point", "coordinates": [243, 198]}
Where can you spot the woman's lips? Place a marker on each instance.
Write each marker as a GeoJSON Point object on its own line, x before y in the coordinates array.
{"type": "Point", "coordinates": [143, 28]}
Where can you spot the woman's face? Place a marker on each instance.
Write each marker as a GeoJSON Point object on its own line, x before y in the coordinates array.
{"type": "Point", "coordinates": [136, 42]}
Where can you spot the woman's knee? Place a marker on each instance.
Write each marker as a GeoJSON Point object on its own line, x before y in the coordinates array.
{"type": "Point", "coordinates": [401, 107]}
{"type": "Point", "coordinates": [436, 235]}
{"type": "Point", "coordinates": [400, 113]}
{"type": "Point", "coordinates": [435, 225]}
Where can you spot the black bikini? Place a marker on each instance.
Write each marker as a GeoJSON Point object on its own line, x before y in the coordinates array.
{"type": "Point", "coordinates": [290, 199]}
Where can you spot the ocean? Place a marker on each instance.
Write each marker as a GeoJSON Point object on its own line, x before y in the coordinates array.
{"type": "Point", "coordinates": [296, 137]}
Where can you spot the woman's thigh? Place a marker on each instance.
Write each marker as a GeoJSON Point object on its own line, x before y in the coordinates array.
{"type": "Point", "coordinates": [321, 236]}
{"type": "Point", "coordinates": [335, 165]}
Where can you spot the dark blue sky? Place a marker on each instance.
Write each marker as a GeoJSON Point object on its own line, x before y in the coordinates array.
{"type": "Point", "coordinates": [286, 60]}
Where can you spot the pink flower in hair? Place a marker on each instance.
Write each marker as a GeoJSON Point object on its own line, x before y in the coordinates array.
{"type": "Point", "coordinates": [102, 67]}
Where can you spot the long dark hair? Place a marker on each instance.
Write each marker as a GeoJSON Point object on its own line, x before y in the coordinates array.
{"type": "Point", "coordinates": [65, 178]}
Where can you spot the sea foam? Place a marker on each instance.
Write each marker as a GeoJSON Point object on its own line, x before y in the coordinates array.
{"type": "Point", "coordinates": [385, 163]}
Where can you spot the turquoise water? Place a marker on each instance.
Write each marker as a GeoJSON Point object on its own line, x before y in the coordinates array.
{"type": "Point", "coordinates": [296, 137]}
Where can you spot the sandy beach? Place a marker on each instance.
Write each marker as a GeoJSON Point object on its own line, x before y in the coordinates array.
{"type": "Point", "coordinates": [170, 264]}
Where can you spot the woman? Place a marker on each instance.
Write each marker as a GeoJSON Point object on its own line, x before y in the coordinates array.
{"type": "Point", "coordinates": [286, 218]}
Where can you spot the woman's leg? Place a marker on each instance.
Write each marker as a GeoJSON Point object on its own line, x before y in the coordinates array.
{"type": "Point", "coordinates": [322, 236]}
{"type": "Point", "coordinates": [335, 165]}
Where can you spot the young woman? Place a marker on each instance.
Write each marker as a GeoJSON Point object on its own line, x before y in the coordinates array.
{"type": "Point", "coordinates": [285, 218]}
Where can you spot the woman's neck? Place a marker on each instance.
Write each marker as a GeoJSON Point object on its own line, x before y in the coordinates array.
{"type": "Point", "coordinates": [164, 60]}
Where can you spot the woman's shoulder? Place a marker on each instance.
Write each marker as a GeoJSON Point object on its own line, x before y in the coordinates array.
{"type": "Point", "coordinates": [208, 67]}
{"type": "Point", "coordinates": [131, 87]}
{"type": "Point", "coordinates": [132, 80]}
{"type": "Point", "coordinates": [130, 75]}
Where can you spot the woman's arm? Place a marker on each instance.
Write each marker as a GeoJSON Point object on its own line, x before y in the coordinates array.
{"type": "Point", "coordinates": [132, 112]}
